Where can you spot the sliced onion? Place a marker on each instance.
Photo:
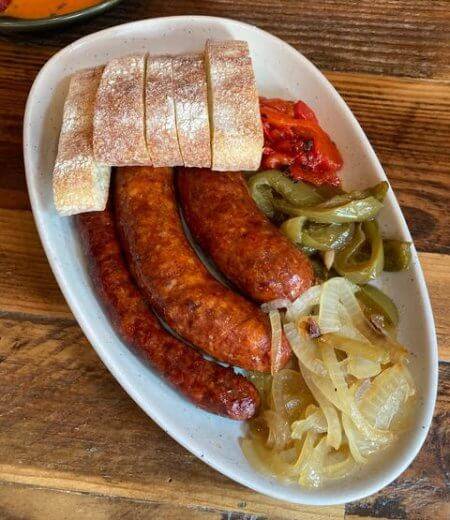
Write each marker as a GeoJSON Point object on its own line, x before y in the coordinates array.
{"type": "Point", "coordinates": [386, 397]}
{"type": "Point", "coordinates": [306, 450]}
{"type": "Point", "coordinates": [315, 422]}
{"type": "Point", "coordinates": [303, 305]}
{"type": "Point", "coordinates": [268, 461]}
{"type": "Point", "coordinates": [354, 347]}
{"type": "Point", "coordinates": [361, 389]}
{"type": "Point", "coordinates": [276, 342]}
{"type": "Point", "coordinates": [341, 469]}
{"type": "Point", "coordinates": [311, 474]}
{"type": "Point", "coordinates": [344, 400]}
{"type": "Point", "coordinates": [359, 406]}
{"type": "Point", "coordinates": [362, 368]}
{"type": "Point", "coordinates": [304, 349]}
{"type": "Point", "coordinates": [274, 305]}
{"type": "Point", "coordinates": [334, 429]}
{"type": "Point", "coordinates": [352, 435]}
{"type": "Point", "coordinates": [328, 258]}
{"type": "Point", "coordinates": [335, 292]}
{"type": "Point", "coordinates": [279, 431]}
{"type": "Point", "coordinates": [290, 394]}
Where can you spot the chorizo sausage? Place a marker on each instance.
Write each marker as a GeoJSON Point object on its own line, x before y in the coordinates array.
{"type": "Point", "coordinates": [249, 250]}
{"type": "Point", "coordinates": [175, 281]}
{"type": "Point", "coordinates": [208, 385]}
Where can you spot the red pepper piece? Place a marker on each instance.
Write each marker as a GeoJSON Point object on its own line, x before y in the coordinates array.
{"type": "Point", "coordinates": [302, 111]}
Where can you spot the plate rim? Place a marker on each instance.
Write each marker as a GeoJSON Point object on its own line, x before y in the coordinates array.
{"type": "Point", "coordinates": [429, 398]}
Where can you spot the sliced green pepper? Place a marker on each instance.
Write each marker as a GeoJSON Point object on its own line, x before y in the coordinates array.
{"type": "Point", "coordinates": [326, 237]}
{"type": "Point", "coordinates": [397, 255]}
{"type": "Point", "coordinates": [354, 211]}
{"type": "Point", "coordinates": [292, 228]}
{"type": "Point", "coordinates": [263, 184]}
{"type": "Point", "coordinates": [378, 303]}
{"type": "Point", "coordinates": [378, 192]}
{"type": "Point", "coordinates": [349, 262]}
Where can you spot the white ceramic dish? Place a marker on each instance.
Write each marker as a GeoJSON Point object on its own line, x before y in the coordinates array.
{"type": "Point", "coordinates": [281, 71]}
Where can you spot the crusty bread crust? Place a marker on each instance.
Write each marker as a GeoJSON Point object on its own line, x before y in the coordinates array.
{"type": "Point", "coordinates": [236, 129]}
{"type": "Point", "coordinates": [191, 109]}
{"type": "Point", "coordinates": [119, 123]}
{"type": "Point", "coordinates": [79, 183]}
{"type": "Point", "coordinates": [161, 129]}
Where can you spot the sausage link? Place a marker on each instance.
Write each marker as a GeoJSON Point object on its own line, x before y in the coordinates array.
{"type": "Point", "coordinates": [175, 281]}
{"type": "Point", "coordinates": [249, 250]}
{"type": "Point", "coordinates": [208, 385]}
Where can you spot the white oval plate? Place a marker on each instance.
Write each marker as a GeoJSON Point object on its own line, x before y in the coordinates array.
{"type": "Point", "coordinates": [281, 71]}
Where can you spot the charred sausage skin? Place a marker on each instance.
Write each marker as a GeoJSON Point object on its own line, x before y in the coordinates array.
{"type": "Point", "coordinates": [208, 385]}
{"type": "Point", "coordinates": [249, 250]}
{"type": "Point", "coordinates": [175, 281]}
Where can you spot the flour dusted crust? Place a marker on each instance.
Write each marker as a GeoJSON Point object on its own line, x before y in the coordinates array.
{"type": "Point", "coordinates": [236, 129]}
{"type": "Point", "coordinates": [119, 124]}
{"type": "Point", "coordinates": [191, 109]}
{"type": "Point", "coordinates": [161, 129]}
{"type": "Point", "coordinates": [79, 183]}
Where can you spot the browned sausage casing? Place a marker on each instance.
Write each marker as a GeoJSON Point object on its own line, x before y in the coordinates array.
{"type": "Point", "coordinates": [242, 242]}
{"type": "Point", "coordinates": [175, 281]}
{"type": "Point", "coordinates": [206, 384]}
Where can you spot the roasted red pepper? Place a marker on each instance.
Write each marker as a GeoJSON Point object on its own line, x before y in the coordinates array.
{"type": "Point", "coordinates": [295, 142]}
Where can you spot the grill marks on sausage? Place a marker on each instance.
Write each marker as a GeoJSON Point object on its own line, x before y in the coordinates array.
{"type": "Point", "coordinates": [208, 385]}
{"type": "Point", "coordinates": [175, 281]}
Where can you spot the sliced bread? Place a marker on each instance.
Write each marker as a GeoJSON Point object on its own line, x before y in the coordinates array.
{"type": "Point", "coordinates": [80, 184]}
{"type": "Point", "coordinates": [161, 129]}
{"type": "Point", "coordinates": [191, 110]}
{"type": "Point", "coordinates": [236, 130]}
{"type": "Point", "coordinates": [119, 121]}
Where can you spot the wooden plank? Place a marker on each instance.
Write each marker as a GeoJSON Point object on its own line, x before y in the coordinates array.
{"type": "Point", "coordinates": [27, 285]}
{"type": "Point", "coordinates": [66, 424]}
{"type": "Point", "coordinates": [407, 120]}
{"type": "Point", "coordinates": [26, 281]}
{"type": "Point", "coordinates": [401, 38]}
{"type": "Point", "coordinates": [29, 502]}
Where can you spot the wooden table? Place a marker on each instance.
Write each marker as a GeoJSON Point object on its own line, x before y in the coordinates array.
{"type": "Point", "coordinates": [72, 443]}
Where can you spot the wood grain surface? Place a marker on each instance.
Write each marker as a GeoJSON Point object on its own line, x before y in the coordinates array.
{"type": "Point", "coordinates": [72, 443]}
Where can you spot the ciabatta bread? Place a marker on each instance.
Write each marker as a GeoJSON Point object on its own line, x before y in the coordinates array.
{"type": "Point", "coordinates": [161, 128]}
{"type": "Point", "coordinates": [236, 130]}
{"type": "Point", "coordinates": [119, 124]}
{"type": "Point", "coordinates": [80, 184]}
{"type": "Point", "coordinates": [191, 109]}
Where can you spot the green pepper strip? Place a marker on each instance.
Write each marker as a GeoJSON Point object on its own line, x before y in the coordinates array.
{"type": "Point", "coordinates": [296, 193]}
{"type": "Point", "coordinates": [326, 237]}
{"type": "Point", "coordinates": [378, 303]}
{"type": "Point", "coordinates": [354, 211]}
{"type": "Point", "coordinates": [293, 228]}
{"type": "Point", "coordinates": [378, 192]}
{"type": "Point", "coordinates": [397, 255]}
{"type": "Point", "coordinates": [360, 272]}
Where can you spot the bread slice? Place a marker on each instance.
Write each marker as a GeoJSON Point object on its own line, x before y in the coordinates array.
{"type": "Point", "coordinates": [236, 129]}
{"type": "Point", "coordinates": [119, 121]}
{"type": "Point", "coordinates": [79, 183]}
{"type": "Point", "coordinates": [191, 110]}
{"type": "Point", "coordinates": [161, 129]}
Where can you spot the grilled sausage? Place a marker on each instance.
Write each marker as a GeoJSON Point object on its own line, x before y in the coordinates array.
{"type": "Point", "coordinates": [208, 385]}
{"type": "Point", "coordinates": [175, 281]}
{"type": "Point", "coordinates": [249, 250]}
